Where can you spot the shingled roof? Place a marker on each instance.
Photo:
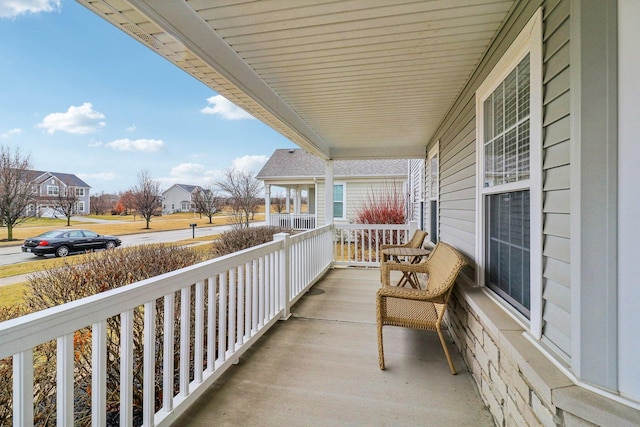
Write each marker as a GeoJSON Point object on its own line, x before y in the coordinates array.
{"type": "Point", "coordinates": [66, 178]}
{"type": "Point", "coordinates": [297, 163]}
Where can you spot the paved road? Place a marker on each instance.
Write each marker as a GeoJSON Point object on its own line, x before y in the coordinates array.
{"type": "Point", "coordinates": [13, 254]}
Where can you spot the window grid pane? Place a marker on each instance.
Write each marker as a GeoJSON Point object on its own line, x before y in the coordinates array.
{"type": "Point", "coordinates": [508, 247]}
{"type": "Point", "coordinates": [506, 128]}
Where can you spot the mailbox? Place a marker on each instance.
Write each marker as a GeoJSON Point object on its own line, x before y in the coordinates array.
{"type": "Point", "coordinates": [193, 230]}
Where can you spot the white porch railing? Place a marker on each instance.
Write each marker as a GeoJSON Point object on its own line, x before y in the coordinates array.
{"type": "Point", "coordinates": [293, 221]}
{"type": "Point", "coordinates": [359, 244]}
{"type": "Point", "coordinates": [224, 306]}
{"type": "Point", "coordinates": [250, 289]}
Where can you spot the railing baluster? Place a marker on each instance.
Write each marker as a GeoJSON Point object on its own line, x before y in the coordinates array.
{"type": "Point", "coordinates": [255, 311]}
{"type": "Point", "coordinates": [212, 325]}
{"type": "Point", "coordinates": [149, 364]}
{"type": "Point", "coordinates": [23, 389]}
{"type": "Point", "coordinates": [64, 380]}
{"type": "Point", "coordinates": [241, 298]}
{"type": "Point", "coordinates": [198, 347]}
{"type": "Point", "coordinates": [222, 316]}
{"type": "Point", "coordinates": [185, 339]}
{"type": "Point", "coordinates": [126, 368]}
{"type": "Point", "coordinates": [248, 301]}
{"type": "Point", "coordinates": [168, 351]}
{"type": "Point", "coordinates": [99, 374]}
{"type": "Point", "coordinates": [231, 332]}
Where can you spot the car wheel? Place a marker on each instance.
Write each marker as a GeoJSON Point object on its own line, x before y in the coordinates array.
{"type": "Point", "coordinates": [110, 244]}
{"type": "Point", "coordinates": [62, 251]}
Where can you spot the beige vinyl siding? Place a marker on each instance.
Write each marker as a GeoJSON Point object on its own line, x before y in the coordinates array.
{"type": "Point", "coordinates": [357, 192]}
{"type": "Point", "coordinates": [458, 165]}
{"type": "Point", "coordinates": [556, 309]}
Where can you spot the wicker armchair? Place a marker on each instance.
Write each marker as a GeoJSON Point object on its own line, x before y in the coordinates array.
{"type": "Point", "coordinates": [419, 308]}
{"type": "Point", "coordinates": [416, 241]}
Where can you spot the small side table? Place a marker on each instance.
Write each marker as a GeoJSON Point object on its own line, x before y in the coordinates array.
{"type": "Point", "coordinates": [412, 255]}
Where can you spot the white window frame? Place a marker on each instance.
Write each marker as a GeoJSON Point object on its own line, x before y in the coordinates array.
{"type": "Point", "coordinates": [434, 152]}
{"type": "Point", "coordinates": [80, 206]}
{"type": "Point", "coordinates": [79, 192]}
{"type": "Point", "coordinates": [50, 191]}
{"type": "Point", "coordinates": [344, 200]}
{"type": "Point", "coordinates": [529, 41]}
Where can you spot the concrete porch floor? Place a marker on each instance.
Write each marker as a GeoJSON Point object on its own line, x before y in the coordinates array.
{"type": "Point", "coordinates": [320, 368]}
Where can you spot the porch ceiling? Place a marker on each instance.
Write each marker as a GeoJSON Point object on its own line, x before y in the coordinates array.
{"type": "Point", "coordinates": [342, 79]}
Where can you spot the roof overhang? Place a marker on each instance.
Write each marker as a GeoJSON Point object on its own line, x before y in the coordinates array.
{"type": "Point", "coordinates": [353, 79]}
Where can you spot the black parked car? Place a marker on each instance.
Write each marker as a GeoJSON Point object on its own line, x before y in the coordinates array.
{"type": "Point", "coordinates": [63, 242]}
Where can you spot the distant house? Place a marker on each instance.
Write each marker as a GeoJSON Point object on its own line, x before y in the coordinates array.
{"type": "Point", "coordinates": [294, 174]}
{"type": "Point", "coordinates": [179, 198]}
{"type": "Point", "coordinates": [48, 187]}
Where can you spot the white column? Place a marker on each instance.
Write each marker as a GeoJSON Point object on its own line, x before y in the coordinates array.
{"type": "Point", "coordinates": [267, 204]}
{"type": "Point", "coordinates": [288, 195]}
{"type": "Point", "coordinates": [328, 192]}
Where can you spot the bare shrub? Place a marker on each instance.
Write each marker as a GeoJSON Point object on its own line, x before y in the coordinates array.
{"type": "Point", "coordinates": [99, 272]}
{"type": "Point", "coordinates": [242, 238]}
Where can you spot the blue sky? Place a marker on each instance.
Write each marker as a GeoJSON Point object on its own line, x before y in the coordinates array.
{"type": "Point", "coordinates": [79, 96]}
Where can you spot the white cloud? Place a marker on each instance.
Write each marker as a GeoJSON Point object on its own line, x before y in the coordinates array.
{"type": "Point", "coordinates": [76, 120]}
{"type": "Point", "coordinates": [131, 128]}
{"type": "Point", "coordinates": [94, 144]}
{"type": "Point", "coordinates": [102, 176]}
{"type": "Point", "coordinates": [226, 109]}
{"type": "Point", "coordinates": [146, 145]}
{"type": "Point", "coordinates": [13, 8]}
{"type": "Point", "coordinates": [251, 164]}
{"type": "Point", "coordinates": [187, 169]}
{"type": "Point", "coordinates": [12, 132]}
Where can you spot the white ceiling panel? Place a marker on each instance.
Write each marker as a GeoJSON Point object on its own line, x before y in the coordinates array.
{"type": "Point", "coordinates": [342, 79]}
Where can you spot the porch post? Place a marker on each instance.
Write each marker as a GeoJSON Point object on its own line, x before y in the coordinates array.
{"type": "Point", "coordinates": [288, 195]}
{"type": "Point", "coordinates": [267, 204]}
{"type": "Point", "coordinates": [328, 192]}
{"type": "Point", "coordinates": [283, 270]}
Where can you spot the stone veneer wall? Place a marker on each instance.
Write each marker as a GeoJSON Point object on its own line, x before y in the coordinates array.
{"type": "Point", "coordinates": [518, 383]}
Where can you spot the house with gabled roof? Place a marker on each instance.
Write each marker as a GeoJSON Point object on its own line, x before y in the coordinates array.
{"type": "Point", "coordinates": [296, 175]}
{"type": "Point", "coordinates": [48, 186]}
{"type": "Point", "coordinates": [179, 198]}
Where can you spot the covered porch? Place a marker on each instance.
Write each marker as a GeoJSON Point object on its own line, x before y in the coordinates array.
{"type": "Point", "coordinates": [320, 367]}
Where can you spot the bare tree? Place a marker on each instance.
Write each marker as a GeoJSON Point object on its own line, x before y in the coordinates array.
{"type": "Point", "coordinates": [99, 204]}
{"type": "Point", "coordinates": [279, 203]}
{"type": "Point", "coordinates": [207, 202]}
{"type": "Point", "coordinates": [66, 202]}
{"type": "Point", "coordinates": [15, 188]}
{"type": "Point", "coordinates": [147, 196]}
{"type": "Point", "coordinates": [243, 189]}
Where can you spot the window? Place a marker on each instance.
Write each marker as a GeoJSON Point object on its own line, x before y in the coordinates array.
{"type": "Point", "coordinates": [79, 192]}
{"type": "Point", "coordinates": [338, 201]}
{"type": "Point", "coordinates": [508, 114]}
{"type": "Point", "coordinates": [80, 207]}
{"type": "Point", "coordinates": [52, 190]}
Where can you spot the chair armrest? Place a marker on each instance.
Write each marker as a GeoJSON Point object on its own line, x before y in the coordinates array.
{"type": "Point", "coordinates": [411, 294]}
{"type": "Point", "coordinates": [386, 267]}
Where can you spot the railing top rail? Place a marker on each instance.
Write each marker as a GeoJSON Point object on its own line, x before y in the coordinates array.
{"type": "Point", "coordinates": [28, 331]}
{"type": "Point", "coordinates": [372, 226]}
{"type": "Point", "coordinates": [310, 233]}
